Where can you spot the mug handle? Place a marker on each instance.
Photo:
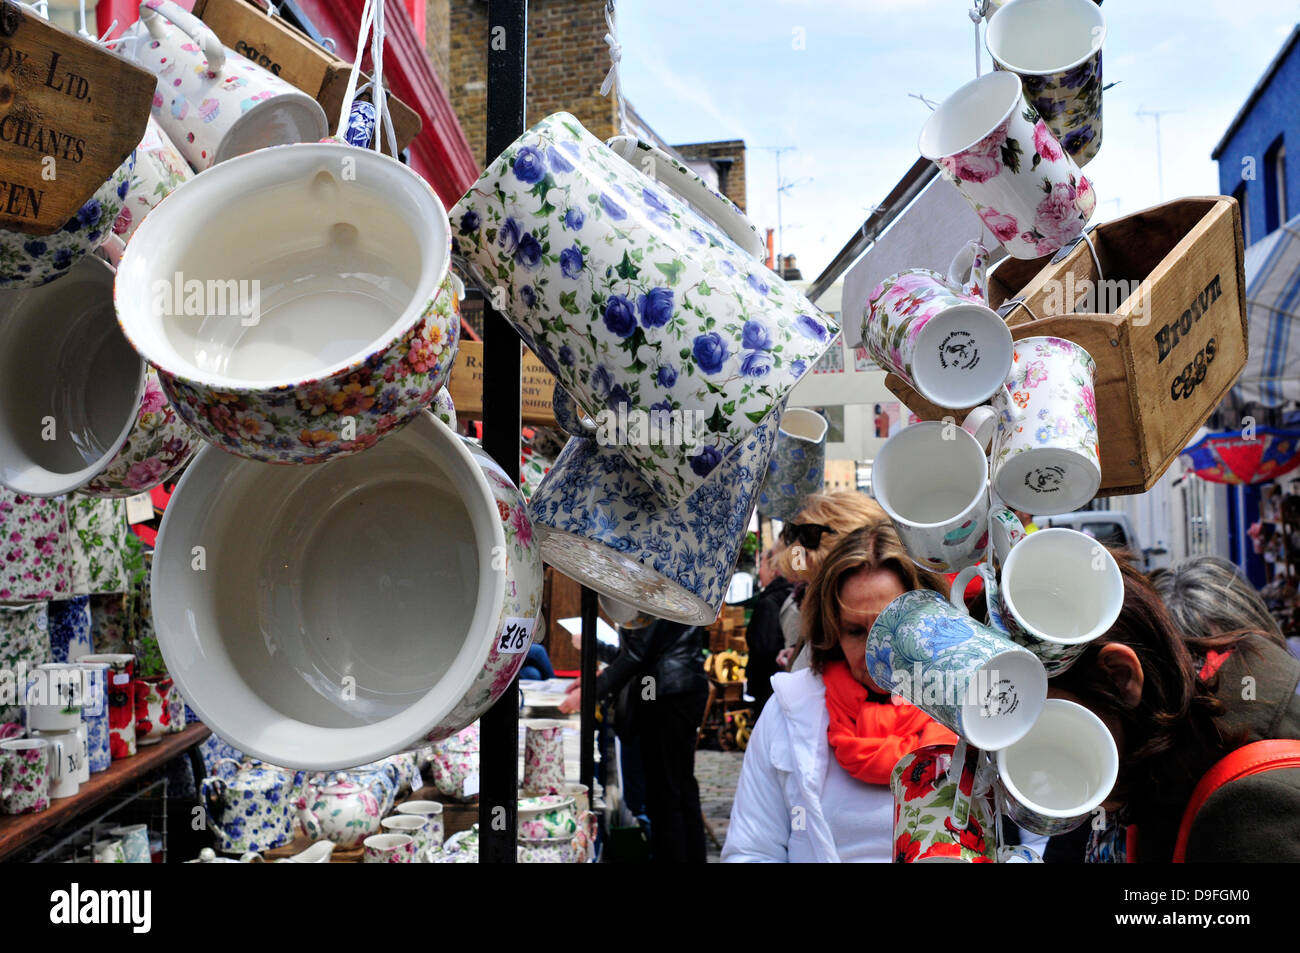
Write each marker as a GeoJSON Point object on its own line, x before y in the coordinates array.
{"type": "Point", "coordinates": [187, 23]}
{"type": "Point", "coordinates": [969, 271]}
{"type": "Point", "coordinates": [569, 415]}
{"type": "Point", "coordinates": [981, 423]}
{"type": "Point", "coordinates": [56, 760]}
{"type": "Point", "coordinates": [689, 186]}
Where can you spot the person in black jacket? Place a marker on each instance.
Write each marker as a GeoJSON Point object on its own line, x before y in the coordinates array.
{"type": "Point", "coordinates": [764, 635]}
{"type": "Point", "coordinates": [666, 660]}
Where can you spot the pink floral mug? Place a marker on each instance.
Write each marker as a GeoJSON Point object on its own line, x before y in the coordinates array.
{"type": "Point", "coordinates": [995, 148]}
{"type": "Point", "coordinates": [938, 333]}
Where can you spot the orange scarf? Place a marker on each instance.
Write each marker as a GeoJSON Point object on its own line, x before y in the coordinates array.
{"type": "Point", "coordinates": [869, 737]}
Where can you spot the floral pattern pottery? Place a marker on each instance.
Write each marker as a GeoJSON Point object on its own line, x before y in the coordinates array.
{"type": "Point", "coordinates": [389, 849]}
{"type": "Point", "coordinates": [121, 702]}
{"type": "Point", "coordinates": [443, 408]}
{"type": "Point", "coordinates": [24, 775]}
{"type": "Point", "coordinates": [798, 465]}
{"type": "Point", "coordinates": [455, 765]}
{"type": "Point", "coordinates": [251, 811]}
{"type": "Point", "coordinates": [157, 447]}
{"type": "Point", "coordinates": [431, 813]}
{"type": "Point", "coordinates": [176, 711]}
{"type": "Point", "coordinates": [931, 478]}
{"type": "Point", "coordinates": [1026, 189]}
{"type": "Point", "coordinates": [110, 624]}
{"type": "Point", "coordinates": [95, 714]}
{"type": "Point", "coordinates": [24, 644]}
{"type": "Point", "coordinates": [135, 842]}
{"type": "Point", "coordinates": [1067, 90]}
{"type": "Point", "coordinates": [1045, 453]}
{"type": "Point", "coordinates": [160, 170]}
{"type": "Point", "coordinates": [242, 389]}
{"type": "Point", "coordinates": [212, 102]}
{"type": "Point", "coordinates": [415, 828]}
{"type": "Point", "coordinates": [924, 830]}
{"type": "Point", "coordinates": [548, 816]}
{"type": "Point", "coordinates": [966, 676]}
{"type": "Point", "coordinates": [152, 709]}
{"type": "Point", "coordinates": [69, 628]}
{"type": "Point", "coordinates": [98, 530]}
{"type": "Point", "coordinates": [601, 524]}
{"type": "Point", "coordinates": [938, 334]}
{"type": "Point", "coordinates": [109, 852]}
{"type": "Point", "coordinates": [543, 758]}
{"type": "Point", "coordinates": [346, 812]}
{"type": "Point", "coordinates": [520, 609]}
{"type": "Point", "coordinates": [545, 850]}
{"type": "Point", "coordinates": [636, 302]}
{"type": "Point", "coordinates": [35, 551]}
{"type": "Point", "coordinates": [27, 261]}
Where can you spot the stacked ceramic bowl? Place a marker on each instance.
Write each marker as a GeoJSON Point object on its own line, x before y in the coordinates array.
{"type": "Point", "coordinates": [327, 586]}
{"type": "Point", "coordinates": [549, 831]}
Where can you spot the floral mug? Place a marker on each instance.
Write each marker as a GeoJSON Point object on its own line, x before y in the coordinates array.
{"type": "Point", "coordinates": [24, 775]}
{"type": "Point", "coordinates": [1023, 185]}
{"type": "Point", "coordinates": [35, 553]}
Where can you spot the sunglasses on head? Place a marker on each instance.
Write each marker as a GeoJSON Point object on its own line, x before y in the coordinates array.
{"type": "Point", "coordinates": [808, 535]}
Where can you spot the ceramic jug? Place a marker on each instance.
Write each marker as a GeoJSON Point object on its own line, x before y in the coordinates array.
{"type": "Point", "coordinates": [347, 812]}
{"type": "Point", "coordinates": [643, 291]}
{"type": "Point", "coordinates": [250, 811]}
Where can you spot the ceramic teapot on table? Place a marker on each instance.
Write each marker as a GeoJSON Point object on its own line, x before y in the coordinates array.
{"type": "Point", "coordinates": [250, 810]}
{"type": "Point", "coordinates": [347, 811]}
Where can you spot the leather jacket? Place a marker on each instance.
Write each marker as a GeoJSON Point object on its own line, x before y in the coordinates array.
{"type": "Point", "coordinates": [671, 653]}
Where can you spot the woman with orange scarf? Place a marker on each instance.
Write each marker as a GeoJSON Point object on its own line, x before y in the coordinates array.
{"type": "Point", "coordinates": [814, 786]}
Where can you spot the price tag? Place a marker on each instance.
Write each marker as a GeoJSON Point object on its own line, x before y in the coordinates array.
{"type": "Point", "coordinates": [471, 786]}
{"type": "Point", "coordinates": [516, 636]}
{"type": "Point", "coordinates": [139, 508]}
{"type": "Point", "coordinates": [122, 679]}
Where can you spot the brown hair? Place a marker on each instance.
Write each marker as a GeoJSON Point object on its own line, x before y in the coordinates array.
{"type": "Point", "coordinates": [841, 510]}
{"type": "Point", "coordinates": [866, 549]}
{"type": "Point", "coordinates": [1171, 736]}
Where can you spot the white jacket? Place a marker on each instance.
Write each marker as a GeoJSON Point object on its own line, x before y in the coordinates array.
{"type": "Point", "coordinates": [794, 802]}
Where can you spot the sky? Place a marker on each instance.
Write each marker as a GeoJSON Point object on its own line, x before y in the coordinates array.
{"type": "Point", "coordinates": [832, 78]}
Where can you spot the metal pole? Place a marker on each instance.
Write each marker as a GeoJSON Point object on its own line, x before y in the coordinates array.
{"type": "Point", "coordinates": [507, 41]}
{"type": "Point", "coordinates": [587, 771]}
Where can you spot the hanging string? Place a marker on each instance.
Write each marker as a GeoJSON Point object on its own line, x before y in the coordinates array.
{"type": "Point", "coordinates": [349, 94]}
{"type": "Point", "coordinates": [976, 14]}
{"type": "Point", "coordinates": [1095, 260]}
{"type": "Point", "coordinates": [612, 80]}
{"type": "Point", "coordinates": [929, 102]}
{"type": "Point", "coordinates": [372, 16]}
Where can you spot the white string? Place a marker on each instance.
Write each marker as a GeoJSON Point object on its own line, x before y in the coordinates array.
{"type": "Point", "coordinates": [931, 103]}
{"type": "Point", "coordinates": [612, 80]}
{"type": "Point", "coordinates": [1095, 260]}
{"type": "Point", "coordinates": [367, 14]}
{"type": "Point", "coordinates": [976, 16]}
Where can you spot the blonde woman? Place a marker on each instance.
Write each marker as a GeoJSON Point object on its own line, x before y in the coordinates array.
{"type": "Point", "coordinates": [814, 785]}
{"type": "Point", "coordinates": [825, 519]}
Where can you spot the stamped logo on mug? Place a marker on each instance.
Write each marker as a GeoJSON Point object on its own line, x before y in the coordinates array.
{"type": "Point", "coordinates": [1001, 699]}
{"type": "Point", "coordinates": [959, 350]}
{"type": "Point", "coordinates": [1045, 479]}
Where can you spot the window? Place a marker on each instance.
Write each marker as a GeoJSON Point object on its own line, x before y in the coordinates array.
{"type": "Point", "coordinates": [1274, 185]}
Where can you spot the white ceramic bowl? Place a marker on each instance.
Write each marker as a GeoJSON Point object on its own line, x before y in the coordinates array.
{"type": "Point", "coordinates": [342, 611]}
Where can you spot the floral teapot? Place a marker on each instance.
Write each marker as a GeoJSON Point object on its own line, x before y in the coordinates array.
{"type": "Point", "coordinates": [346, 811]}
{"type": "Point", "coordinates": [249, 809]}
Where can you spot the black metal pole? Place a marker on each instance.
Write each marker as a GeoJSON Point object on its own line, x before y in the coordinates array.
{"type": "Point", "coordinates": [587, 772]}
{"type": "Point", "coordinates": [507, 42]}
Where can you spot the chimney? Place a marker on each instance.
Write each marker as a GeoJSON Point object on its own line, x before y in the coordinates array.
{"type": "Point", "coordinates": [790, 269]}
{"type": "Point", "coordinates": [771, 251]}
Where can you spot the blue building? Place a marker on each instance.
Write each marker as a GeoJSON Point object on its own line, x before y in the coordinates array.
{"type": "Point", "coordinates": [1255, 165]}
{"type": "Point", "coordinates": [1259, 165]}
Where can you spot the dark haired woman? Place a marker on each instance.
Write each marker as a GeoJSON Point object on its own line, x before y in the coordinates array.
{"type": "Point", "coordinates": [1177, 703]}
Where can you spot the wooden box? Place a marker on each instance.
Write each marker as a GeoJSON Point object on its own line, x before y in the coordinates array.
{"type": "Point", "coordinates": [1170, 338]}
{"type": "Point", "coordinates": [273, 44]}
{"type": "Point", "coordinates": [536, 386]}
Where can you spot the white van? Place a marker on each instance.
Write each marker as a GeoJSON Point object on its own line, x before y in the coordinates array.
{"type": "Point", "coordinates": [1112, 528]}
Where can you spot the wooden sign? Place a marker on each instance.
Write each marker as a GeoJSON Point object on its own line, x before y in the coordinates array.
{"type": "Point", "coordinates": [70, 114]}
{"type": "Point", "coordinates": [535, 383]}
{"type": "Point", "coordinates": [270, 42]}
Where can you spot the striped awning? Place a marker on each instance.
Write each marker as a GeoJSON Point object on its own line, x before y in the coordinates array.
{"type": "Point", "coordinates": [1272, 373]}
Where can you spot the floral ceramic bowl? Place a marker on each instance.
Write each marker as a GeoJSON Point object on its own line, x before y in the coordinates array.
{"type": "Point", "coordinates": [639, 304]}
{"type": "Point", "coordinates": [107, 427]}
{"type": "Point", "coordinates": [27, 261]}
{"type": "Point", "coordinates": [296, 301]}
{"type": "Point", "coordinates": [548, 816]}
{"type": "Point", "coordinates": [417, 580]}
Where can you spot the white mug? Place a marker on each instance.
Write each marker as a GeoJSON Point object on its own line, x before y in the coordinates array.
{"type": "Point", "coordinates": [932, 480]}
{"type": "Point", "coordinates": [1054, 777]}
{"type": "Point", "coordinates": [77, 739]}
{"type": "Point", "coordinates": [212, 102]}
{"type": "Point", "coordinates": [67, 755]}
{"type": "Point", "coordinates": [56, 694]}
{"type": "Point", "coordinates": [1060, 590]}
{"type": "Point", "coordinates": [1045, 453]}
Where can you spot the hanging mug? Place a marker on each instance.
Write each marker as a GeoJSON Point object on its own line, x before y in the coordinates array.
{"type": "Point", "coordinates": [212, 102]}
{"type": "Point", "coordinates": [938, 333]}
{"type": "Point", "coordinates": [798, 465]}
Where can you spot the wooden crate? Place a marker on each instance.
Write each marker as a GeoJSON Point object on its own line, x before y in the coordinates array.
{"type": "Point", "coordinates": [1169, 351]}
{"type": "Point", "coordinates": [536, 386]}
{"type": "Point", "coordinates": [290, 54]}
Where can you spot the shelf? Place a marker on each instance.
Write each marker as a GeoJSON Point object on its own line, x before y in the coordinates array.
{"type": "Point", "coordinates": [17, 831]}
